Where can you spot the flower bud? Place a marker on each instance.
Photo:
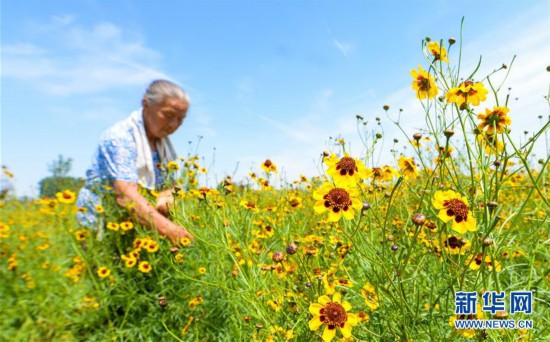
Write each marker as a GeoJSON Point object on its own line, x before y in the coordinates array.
{"type": "Point", "coordinates": [497, 163]}
{"type": "Point", "coordinates": [452, 41]}
{"type": "Point", "coordinates": [278, 256]}
{"type": "Point", "coordinates": [291, 249]}
{"type": "Point", "coordinates": [359, 117]}
{"type": "Point", "coordinates": [487, 242]}
{"type": "Point", "coordinates": [378, 135]}
{"type": "Point", "coordinates": [366, 206]}
{"type": "Point", "coordinates": [417, 136]}
{"type": "Point", "coordinates": [492, 204]}
{"type": "Point", "coordinates": [163, 302]}
{"type": "Point", "coordinates": [325, 154]}
{"type": "Point", "coordinates": [448, 133]}
{"type": "Point", "coordinates": [386, 107]}
{"type": "Point", "coordinates": [419, 219]}
{"type": "Point", "coordinates": [394, 247]}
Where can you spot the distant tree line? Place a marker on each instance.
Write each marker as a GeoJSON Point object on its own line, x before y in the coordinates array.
{"type": "Point", "coordinates": [60, 180]}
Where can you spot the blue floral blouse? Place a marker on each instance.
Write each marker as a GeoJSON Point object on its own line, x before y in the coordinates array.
{"type": "Point", "coordinates": [114, 159]}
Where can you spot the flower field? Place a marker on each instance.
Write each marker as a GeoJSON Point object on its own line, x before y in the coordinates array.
{"type": "Point", "coordinates": [362, 251]}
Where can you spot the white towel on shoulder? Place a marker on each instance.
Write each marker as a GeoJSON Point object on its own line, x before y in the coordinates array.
{"type": "Point", "coordinates": [146, 169]}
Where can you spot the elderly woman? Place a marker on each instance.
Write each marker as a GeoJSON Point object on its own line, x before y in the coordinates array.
{"type": "Point", "coordinates": [127, 157]}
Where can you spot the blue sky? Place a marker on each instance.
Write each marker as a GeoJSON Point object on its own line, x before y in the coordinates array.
{"type": "Point", "coordinates": [267, 79]}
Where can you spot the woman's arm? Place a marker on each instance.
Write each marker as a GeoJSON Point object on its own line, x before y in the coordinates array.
{"type": "Point", "coordinates": [127, 192]}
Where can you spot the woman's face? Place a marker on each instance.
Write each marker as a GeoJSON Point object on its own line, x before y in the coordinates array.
{"type": "Point", "coordinates": [164, 118]}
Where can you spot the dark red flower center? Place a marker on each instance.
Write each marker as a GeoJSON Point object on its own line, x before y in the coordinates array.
{"type": "Point", "coordinates": [423, 83]}
{"type": "Point", "coordinates": [347, 166]}
{"type": "Point", "coordinates": [454, 242]}
{"type": "Point", "coordinates": [338, 199]}
{"type": "Point", "coordinates": [333, 315]}
{"type": "Point", "coordinates": [457, 208]}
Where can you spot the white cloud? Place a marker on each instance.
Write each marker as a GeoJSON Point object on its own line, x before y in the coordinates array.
{"type": "Point", "coordinates": [80, 60]}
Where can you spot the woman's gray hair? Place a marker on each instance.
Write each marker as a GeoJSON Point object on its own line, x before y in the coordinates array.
{"type": "Point", "coordinates": [159, 89]}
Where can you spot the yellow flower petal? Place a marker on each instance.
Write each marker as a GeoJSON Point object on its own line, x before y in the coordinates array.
{"type": "Point", "coordinates": [328, 334]}
{"type": "Point", "coordinates": [346, 305]}
{"type": "Point", "coordinates": [337, 297]}
{"type": "Point", "coordinates": [443, 216]}
{"type": "Point", "coordinates": [324, 300]}
{"type": "Point", "coordinates": [352, 319]}
{"type": "Point", "coordinates": [346, 330]}
{"type": "Point", "coordinates": [315, 323]}
{"type": "Point", "coordinates": [314, 309]}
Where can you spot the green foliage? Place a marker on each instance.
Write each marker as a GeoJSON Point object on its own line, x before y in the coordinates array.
{"type": "Point", "coordinates": [51, 185]}
{"type": "Point", "coordinates": [60, 167]}
{"type": "Point", "coordinates": [59, 181]}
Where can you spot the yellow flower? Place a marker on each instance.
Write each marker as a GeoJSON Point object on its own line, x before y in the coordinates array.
{"type": "Point", "coordinates": [453, 206]}
{"type": "Point", "coordinates": [99, 209]}
{"type": "Point", "coordinates": [81, 234]}
{"type": "Point", "coordinates": [66, 197]}
{"type": "Point", "coordinates": [467, 92]}
{"type": "Point", "coordinates": [444, 153]}
{"type": "Point", "coordinates": [332, 314]}
{"type": "Point", "coordinates": [345, 171]}
{"type": "Point", "coordinates": [408, 167]}
{"type": "Point", "coordinates": [494, 120]}
{"type": "Point", "coordinates": [438, 52]}
{"type": "Point", "coordinates": [490, 143]}
{"type": "Point", "coordinates": [202, 270]}
{"type": "Point", "coordinates": [152, 246]}
{"type": "Point", "coordinates": [103, 272]}
{"type": "Point", "coordinates": [455, 245]}
{"type": "Point", "coordinates": [126, 225]}
{"type": "Point", "coordinates": [173, 166]}
{"type": "Point", "coordinates": [144, 267]}
{"type": "Point", "coordinates": [467, 333]}
{"type": "Point", "coordinates": [475, 261]}
{"type": "Point", "coordinates": [371, 298]}
{"type": "Point", "coordinates": [385, 173]}
{"type": "Point", "coordinates": [249, 205]}
{"type": "Point", "coordinates": [184, 241]}
{"type": "Point", "coordinates": [268, 166]}
{"type": "Point", "coordinates": [423, 84]}
{"type": "Point", "coordinates": [199, 299]}
{"type": "Point", "coordinates": [130, 262]}
{"type": "Point", "coordinates": [112, 226]}
{"type": "Point", "coordinates": [337, 201]}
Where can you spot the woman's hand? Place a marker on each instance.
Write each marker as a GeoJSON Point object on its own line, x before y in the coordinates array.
{"type": "Point", "coordinates": [175, 233]}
